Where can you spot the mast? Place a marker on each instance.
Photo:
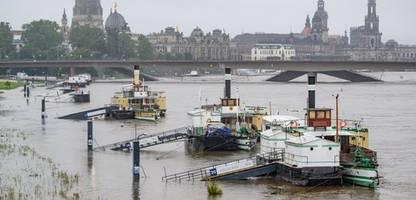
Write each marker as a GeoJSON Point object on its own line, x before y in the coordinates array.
{"type": "Point", "coordinates": [337, 118]}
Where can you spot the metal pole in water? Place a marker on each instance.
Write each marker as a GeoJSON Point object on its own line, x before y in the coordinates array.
{"type": "Point", "coordinates": [24, 89]}
{"type": "Point", "coordinates": [227, 93]}
{"type": "Point", "coordinates": [136, 160]}
{"type": "Point", "coordinates": [43, 108]}
{"type": "Point", "coordinates": [27, 91]}
{"type": "Point", "coordinates": [90, 136]}
{"type": "Point", "coordinates": [311, 89]}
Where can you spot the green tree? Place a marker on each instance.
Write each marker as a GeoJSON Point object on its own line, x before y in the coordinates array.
{"type": "Point", "coordinates": [6, 40]}
{"type": "Point", "coordinates": [88, 38]}
{"type": "Point", "coordinates": [41, 39]}
{"type": "Point", "coordinates": [81, 53]}
{"type": "Point", "coordinates": [145, 51]}
{"type": "Point", "coordinates": [120, 45]}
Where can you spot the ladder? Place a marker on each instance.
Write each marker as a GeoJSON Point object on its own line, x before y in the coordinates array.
{"type": "Point", "coordinates": [148, 140]}
{"type": "Point", "coordinates": [228, 168]}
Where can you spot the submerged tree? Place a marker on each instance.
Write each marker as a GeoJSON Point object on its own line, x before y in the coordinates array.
{"type": "Point", "coordinates": [41, 39]}
{"type": "Point", "coordinates": [6, 40]}
{"type": "Point", "coordinates": [88, 39]}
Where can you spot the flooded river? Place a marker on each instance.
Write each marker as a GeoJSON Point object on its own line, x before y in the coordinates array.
{"type": "Point", "coordinates": [388, 109]}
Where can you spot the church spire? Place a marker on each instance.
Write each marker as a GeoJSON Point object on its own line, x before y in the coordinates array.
{"type": "Point", "coordinates": [321, 5]}
{"type": "Point", "coordinates": [308, 21]}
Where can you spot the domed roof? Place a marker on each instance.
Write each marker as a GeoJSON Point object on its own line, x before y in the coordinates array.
{"type": "Point", "coordinates": [115, 21]}
{"type": "Point", "coordinates": [391, 44]}
{"type": "Point", "coordinates": [197, 32]}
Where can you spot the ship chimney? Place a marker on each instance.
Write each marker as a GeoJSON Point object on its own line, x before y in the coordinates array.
{"type": "Point", "coordinates": [311, 89]}
{"type": "Point", "coordinates": [227, 94]}
{"type": "Point", "coordinates": [136, 77]}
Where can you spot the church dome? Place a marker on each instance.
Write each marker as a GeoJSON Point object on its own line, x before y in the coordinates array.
{"type": "Point", "coordinates": [392, 44]}
{"type": "Point", "coordinates": [197, 32]}
{"type": "Point", "coordinates": [115, 21]}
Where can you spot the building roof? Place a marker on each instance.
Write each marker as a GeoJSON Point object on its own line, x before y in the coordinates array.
{"type": "Point", "coordinates": [115, 21]}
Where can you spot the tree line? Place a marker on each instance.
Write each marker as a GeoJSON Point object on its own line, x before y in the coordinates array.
{"type": "Point", "coordinates": [43, 40]}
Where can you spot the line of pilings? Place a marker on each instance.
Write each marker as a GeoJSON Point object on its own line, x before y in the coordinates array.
{"type": "Point", "coordinates": [136, 150]}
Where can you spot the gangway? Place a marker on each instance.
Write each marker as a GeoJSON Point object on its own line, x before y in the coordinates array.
{"type": "Point", "coordinates": [85, 115]}
{"type": "Point", "coordinates": [259, 165]}
{"type": "Point", "coordinates": [148, 140]}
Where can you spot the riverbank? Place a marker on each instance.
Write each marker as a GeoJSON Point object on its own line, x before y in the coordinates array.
{"type": "Point", "coordinates": [10, 85]}
{"type": "Point", "coordinates": [26, 174]}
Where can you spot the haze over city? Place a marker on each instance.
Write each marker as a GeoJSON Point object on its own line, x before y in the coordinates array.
{"type": "Point", "coordinates": [234, 16]}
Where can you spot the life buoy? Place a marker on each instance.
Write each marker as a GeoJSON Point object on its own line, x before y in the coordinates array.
{"type": "Point", "coordinates": [294, 124]}
{"type": "Point", "coordinates": [343, 124]}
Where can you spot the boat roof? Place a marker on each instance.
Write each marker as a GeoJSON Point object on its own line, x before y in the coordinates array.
{"type": "Point", "coordinates": [303, 139]}
{"type": "Point", "coordinates": [271, 133]}
{"type": "Point", "coordinates": [328, 133]}
{"type": "Point", "coordinates": [279, 118]}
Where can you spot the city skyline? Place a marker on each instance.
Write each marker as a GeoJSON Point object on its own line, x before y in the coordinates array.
{"type": "Point", "coordinates": [247, 16]}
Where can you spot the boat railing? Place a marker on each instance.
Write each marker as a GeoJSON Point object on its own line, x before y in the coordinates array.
{"type": "Point", "coordinates": [227, 167]}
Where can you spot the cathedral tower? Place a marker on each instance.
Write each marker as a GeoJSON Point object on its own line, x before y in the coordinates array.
{"type": "Point", "coordinates": [372, 31]}
{"type": "Point", "coordinates": [320, 24]}
{"type": "Point", "coordinates": [88, 13]}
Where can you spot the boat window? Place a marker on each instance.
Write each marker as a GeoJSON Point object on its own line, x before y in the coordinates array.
{"type": "Point", "coordinates": [328, 115]}
{"type": "Point", "coordinates": [330, 148]}
{"type": "Point", "coordinates": [321, 114]}
{"type": "Point", "coordinates": [311, 148]}
{"type": "Point", "coordinates": [311, 114]}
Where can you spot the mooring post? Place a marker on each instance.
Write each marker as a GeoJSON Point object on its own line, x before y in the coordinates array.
{"type": "Point", "coordinates": [136, 160]}
{"type": "Point", "coordinates": [24, 89]}
{"type": "Point", "coordinates": [27, 91]}
{"type": "Point", "coordinates": [43, 108]}
{"type": "Point", "coordinates": [90, 136]}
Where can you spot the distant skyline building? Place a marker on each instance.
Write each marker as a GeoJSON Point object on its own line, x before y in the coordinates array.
{"type": "Point", "coordinates": [214, 45]}
{"type": "Point", "coordinates": [320, 24]}
{"type": "Point", "coordinates": [272, 52]}
{"type": "Point", "coordinates": [368, 35]}
{"type": "Point", "coordinates": [88, 13]}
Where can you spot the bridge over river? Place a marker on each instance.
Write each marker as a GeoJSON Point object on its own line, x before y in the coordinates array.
{"type": "Point", "coordinates": [293, 69]}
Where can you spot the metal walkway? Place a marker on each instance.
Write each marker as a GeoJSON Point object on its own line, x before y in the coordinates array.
{"type": "Point", "coordinates": [259, 165]}
{"type": "Point", "coordinates": [148, 140]}
{"type": "Point", "coordinates": [85, 115]}
{"type": "Point", "coordinates": [287, 76]}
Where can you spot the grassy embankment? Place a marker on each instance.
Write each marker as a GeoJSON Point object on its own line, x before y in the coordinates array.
{"type": "Point", "coordinates": [10, 85]}
{"type": "Point", "coordinates": [27, 174]}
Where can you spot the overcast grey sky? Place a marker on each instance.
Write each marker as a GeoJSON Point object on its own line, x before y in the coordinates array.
{"type": "Point", "coordinates": [235, 16]}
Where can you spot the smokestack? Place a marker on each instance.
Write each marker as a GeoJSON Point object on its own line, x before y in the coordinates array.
{"type": "Point", "coordinates": [227, 94]}
{"type": "Point", "coordinates": [136, 76]}
{"type": "Point", "coordinates": [311, 89]}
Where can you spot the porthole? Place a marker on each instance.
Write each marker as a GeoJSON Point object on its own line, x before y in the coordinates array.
{"type": "Point", "coordinates": [330, 148]}
{"type": "Point", "coordinates": [311, 148]}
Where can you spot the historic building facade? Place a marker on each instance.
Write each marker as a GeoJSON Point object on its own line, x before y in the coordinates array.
{"type": "Point", "coordinates": [272, 52]}
{"type": "Point", "coordinates": [320, 24]}
{"type": "Point", "coordinates": [366, 43]}
{"type": "Point", "coordinates": [88, 13]}
{"type": "Point", "coordinates": [214, 45]}
{"type": "Point", "coordinates": [369, 35]}
{"type": "Point", "coordinates": [313, 42]}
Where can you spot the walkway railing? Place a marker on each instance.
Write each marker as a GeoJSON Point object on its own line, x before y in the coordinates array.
{"type": "Point", "coordinates": [223, 169]}
{"type": "Point", "coordinates": [149, 140]}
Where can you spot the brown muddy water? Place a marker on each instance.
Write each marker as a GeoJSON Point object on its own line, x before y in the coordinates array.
{"type": "Point", "coordinates": [388, 109]}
